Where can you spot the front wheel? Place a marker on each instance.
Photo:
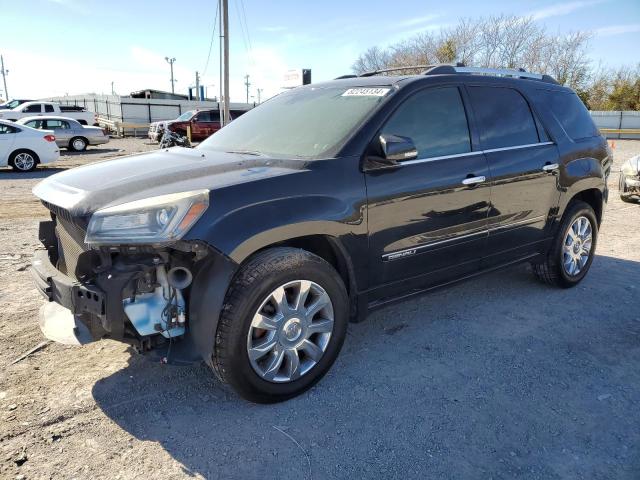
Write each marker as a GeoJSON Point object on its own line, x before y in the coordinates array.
{"type": "Point", "coordinates": [573, 248]}
{"type": "Point", "coordinates": [282, 326]}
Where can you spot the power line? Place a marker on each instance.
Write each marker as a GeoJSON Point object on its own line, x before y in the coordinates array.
{"type": "Point", "coordinates": [213, 34]}
{"type": "Point", "coordinates": [244, 28]}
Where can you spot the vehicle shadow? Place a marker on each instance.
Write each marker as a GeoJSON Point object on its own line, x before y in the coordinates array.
{"type": "Point", "coordinates": [88, 151]}
{"type": "Point", "coordinates": [38, 173]}
{"type": "Point", "coordinates": [499, 374]}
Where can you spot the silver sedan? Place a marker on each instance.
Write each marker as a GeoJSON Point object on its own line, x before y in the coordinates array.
{"type": "Point", "coordinates": [69, 133]}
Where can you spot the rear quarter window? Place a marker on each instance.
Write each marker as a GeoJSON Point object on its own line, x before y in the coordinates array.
{"type": "Point", "coordinates": [572, 115]}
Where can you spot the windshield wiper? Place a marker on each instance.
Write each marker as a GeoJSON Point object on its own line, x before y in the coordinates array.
{"type": "Point", "coordinates": [247, 152]}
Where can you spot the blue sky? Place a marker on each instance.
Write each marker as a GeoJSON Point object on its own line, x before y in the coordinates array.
{"type": "Point", "coordinates": [53, 47]}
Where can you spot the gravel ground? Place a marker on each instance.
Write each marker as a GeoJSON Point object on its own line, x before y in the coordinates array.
{"type": "Point", "coordinates": [499, 377]}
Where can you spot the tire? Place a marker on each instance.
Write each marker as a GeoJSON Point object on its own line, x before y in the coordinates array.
{"type": "Point", "coordinates": [254, 290]}
{"type": "Point", "coordinates": [78, 144]}
{"type": "Point", "coordinates": [556, 269]}
{"type": "Point", "coordinates": [624, 196]}
{"type": "Point", "coordinates": [23, 160]}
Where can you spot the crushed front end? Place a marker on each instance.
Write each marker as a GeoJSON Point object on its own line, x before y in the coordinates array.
{"type": "Point", "coordinates": [136, 294]}
{"type": "Point", "coordinates": [123, 273]}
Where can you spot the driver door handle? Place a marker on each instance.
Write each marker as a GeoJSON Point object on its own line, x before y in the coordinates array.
{"type": "Point", "coordinates": [473, 180]}
{"type": "Point", "coordinates": [551, 167]}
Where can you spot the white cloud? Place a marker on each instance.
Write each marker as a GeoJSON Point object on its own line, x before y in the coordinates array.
{"type": "Point", "coordinates": [617, 30]}
{"type": "Point", "coordinates": [562, 9]}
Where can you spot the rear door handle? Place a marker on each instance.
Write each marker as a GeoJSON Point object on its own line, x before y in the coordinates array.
{"type": "Point", "coordinates": [551, 167]}
{"type": "Point", "coordinates": [473, 180]}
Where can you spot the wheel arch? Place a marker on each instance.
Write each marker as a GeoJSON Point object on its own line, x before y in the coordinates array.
{"type": "Point", "coordinates": [594, 198]}
{"type": "Point", "coordinates": [328, 248]}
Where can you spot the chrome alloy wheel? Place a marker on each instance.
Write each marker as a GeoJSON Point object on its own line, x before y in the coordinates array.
{"type": "Point", "coordinates": [24, 161]}
{"type": "Point", "coordinates": [576, 247]}
{"type": "Point", "coordinates": [290, 332]}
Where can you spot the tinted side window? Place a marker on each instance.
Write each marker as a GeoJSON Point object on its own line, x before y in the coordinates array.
{"type": "Point", "coordinates": [503, 116]}
{"type": "Point", "coordinates": [7, 129]}
{"type": "Point", "coordinates": [205, 117]}
{"type": "Point", "coordinates": [37, 108]}
{"type": "Point", "coordinates": [48, 108]}
{"type": "Point", "coordinates": [435, 120]}
{"type": "Point", "coordinates": [572, 115]}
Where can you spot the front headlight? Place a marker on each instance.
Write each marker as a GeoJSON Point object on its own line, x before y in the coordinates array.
{"type": "Point", "coordinates": [153, 220]}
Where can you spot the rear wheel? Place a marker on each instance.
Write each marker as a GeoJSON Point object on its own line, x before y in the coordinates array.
{"type": "Point", "coordinates": [282, 326]}
{"type": "Point", "coordinates": [78, 144]}
{"type": "Point", "coordinates": [573, 248]}
{"type": "Point", "coordinates": [23, 161]}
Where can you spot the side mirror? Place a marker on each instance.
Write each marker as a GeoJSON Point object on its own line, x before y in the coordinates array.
{"type": "Point", "coordinates": [397, 149]}
{"type": "Point", "coordinates": [391, 150]}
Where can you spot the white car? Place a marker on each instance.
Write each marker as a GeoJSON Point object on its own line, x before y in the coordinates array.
{"type": "Point", "coordinates": [23, 148]}
{"type": "Point", "coordinates": [33, 109]}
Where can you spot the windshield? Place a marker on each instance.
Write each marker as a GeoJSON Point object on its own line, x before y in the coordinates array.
{"type": "Point", "coordinates": [185, 116]}
{"type": "Point", "coordinates": [302, 123]}
{"type": "Point", "coordinates": [12, 104]}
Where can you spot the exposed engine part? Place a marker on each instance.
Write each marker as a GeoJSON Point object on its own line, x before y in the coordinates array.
{"type": "Point", "coordinates": [179, 277]}
{"type": "Point", "coordinates": [161, 311]}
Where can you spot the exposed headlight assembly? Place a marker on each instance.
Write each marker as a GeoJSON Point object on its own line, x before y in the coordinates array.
{"type": "Point", "coordinates": [161, 219]}
{"type": "Point", "coordinates": [632, 166]}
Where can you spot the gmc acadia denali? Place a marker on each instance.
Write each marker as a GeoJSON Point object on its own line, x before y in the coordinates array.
{"type": "Point", "coordinates": [254, 250]}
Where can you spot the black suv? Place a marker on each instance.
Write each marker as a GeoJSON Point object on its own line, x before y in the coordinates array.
{"type": "Point", "coordinates": [254, 250]}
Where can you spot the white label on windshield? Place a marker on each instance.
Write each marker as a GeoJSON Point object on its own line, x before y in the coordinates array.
{"type": "Point", "coordinates": [366, 92]}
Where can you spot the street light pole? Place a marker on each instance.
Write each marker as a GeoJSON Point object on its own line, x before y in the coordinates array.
{"type": "Point", "coordinates": [224, 18]}
{"type": "Point", "coordinates": [170, 62]}
{"type": "Point", "coordinates": [4, 77]}
{"type": "Point", "coordinates": [247, 84]}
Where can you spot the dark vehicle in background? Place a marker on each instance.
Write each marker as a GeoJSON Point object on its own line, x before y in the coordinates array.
{"type": "Point", "coordinates": [203, 123]}
{"type": "Point", "coordinates": [253, 250]}
{"type": "Point", "coordinates": [13, 103]}
{"type": "Point", "coordinates": [629, 183]}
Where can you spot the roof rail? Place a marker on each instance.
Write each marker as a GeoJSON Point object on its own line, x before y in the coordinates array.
{"type": "Point", "coordinates": [393, 69]}
{"type": "Point", "coordinates": [505, 72]}
{"type": "Point", "coordinates": [449, 69]}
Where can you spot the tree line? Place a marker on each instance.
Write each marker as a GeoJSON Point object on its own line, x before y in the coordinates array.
{"type": "Point", "coordinates": [508, 41]}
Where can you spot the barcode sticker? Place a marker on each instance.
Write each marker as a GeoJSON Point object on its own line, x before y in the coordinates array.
{"type": "Point", "coordinates": [366, 92]}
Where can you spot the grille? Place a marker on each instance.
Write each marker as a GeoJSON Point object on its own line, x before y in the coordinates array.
{"type": "Point", "coordinates": [70, 246]}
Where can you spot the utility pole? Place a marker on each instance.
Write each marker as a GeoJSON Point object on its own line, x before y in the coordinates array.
{"type": "Point", "coordinates": [170, 62]}
{"type": "Point", "coordinates": [224, 47]}
{"type": "Point", "coordinates": [247, 84]}
{"type": "Point", "coordinates": [198, 86]}
{"type": "Point", "coordinates": [113, 92]}
{"type": "Point", "coordinates": [259, 90]}
{"type": "Point", "coordinates": [4, 77]}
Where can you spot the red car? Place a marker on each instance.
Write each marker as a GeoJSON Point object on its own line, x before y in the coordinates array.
{"type": "Point", "coordinates": [203, 123]}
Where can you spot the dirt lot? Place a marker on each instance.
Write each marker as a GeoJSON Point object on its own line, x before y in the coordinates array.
{"type": "Point", "coordinates": [500, 377]}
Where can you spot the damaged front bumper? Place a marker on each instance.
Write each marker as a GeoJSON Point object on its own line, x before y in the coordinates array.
{"type": "Point", "coordinates": [67, 319]}
{"type": "Point", "coordinates": [150, 298]}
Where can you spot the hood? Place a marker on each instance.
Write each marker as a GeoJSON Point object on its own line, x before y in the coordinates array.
{"type": "Point", "coordinates": [84, 190]}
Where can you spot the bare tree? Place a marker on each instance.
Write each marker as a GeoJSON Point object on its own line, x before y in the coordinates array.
{"type": "Point", "coordinates": [494, 42]}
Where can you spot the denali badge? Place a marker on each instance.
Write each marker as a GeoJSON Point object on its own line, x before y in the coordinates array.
{"type": "Point", "coordinates": [395, 256]}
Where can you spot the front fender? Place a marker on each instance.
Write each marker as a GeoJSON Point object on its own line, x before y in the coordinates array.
{"type": "Point", "coordinates": [206, 299]}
